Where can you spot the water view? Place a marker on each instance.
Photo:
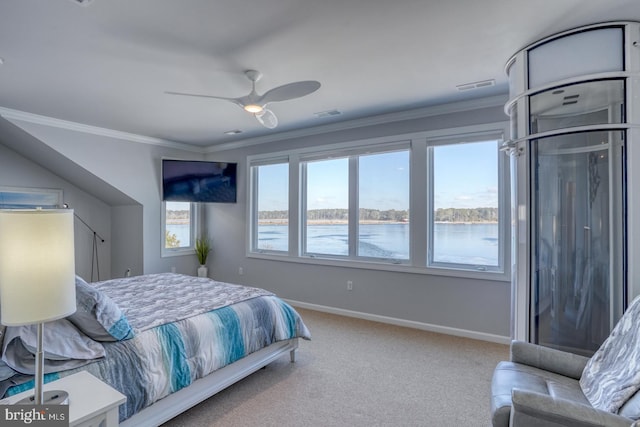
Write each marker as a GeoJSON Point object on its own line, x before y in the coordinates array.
{"type": "Point", "coordinates": [464, 243]}
{"type": "Point", "coordinates": [182, 232]}
{"type": "Point", "coordinates": [467, 243]}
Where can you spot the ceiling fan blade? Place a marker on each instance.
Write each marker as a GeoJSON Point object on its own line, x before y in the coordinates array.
{"type": "Point", "coordinates": [289, 91]}
{"type": "Point", "coordinates": [267, 118]}
{"type": "Point", "coordinates": [254, 102]}
{"type": "Point", "coordinates": [241, 102]}
{"type": "Point", "coordinates": [199, 95]}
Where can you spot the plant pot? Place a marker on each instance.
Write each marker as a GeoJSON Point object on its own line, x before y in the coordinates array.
{"type": "Point", "coordinates": [202, 271]}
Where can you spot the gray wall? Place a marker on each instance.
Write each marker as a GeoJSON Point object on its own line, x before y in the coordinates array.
{"type": "Point", "coordinates": [18, 171]}
{"type": "Point", "coordinates": [132, 169]}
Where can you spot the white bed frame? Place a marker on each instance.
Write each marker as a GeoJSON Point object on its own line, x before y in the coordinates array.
{"type": "Point", "coordinates": [203, 388]}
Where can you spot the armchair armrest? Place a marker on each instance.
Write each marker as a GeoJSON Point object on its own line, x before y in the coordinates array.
{"type": "Point", "coordinates": [535, 409]}
{"type": "Point", "coordinates": [549, 359]}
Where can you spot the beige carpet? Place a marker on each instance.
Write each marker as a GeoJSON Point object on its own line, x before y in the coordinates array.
{"type": "Point", "coordinates": [360, 373]}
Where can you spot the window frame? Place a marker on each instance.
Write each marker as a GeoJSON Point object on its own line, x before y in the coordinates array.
{"type": "Point", "coordinates": [303, 165]}
{"type": "Point", "coordinates": [353, 226]}
{"type": "Point", "coordinates": [194, 229]}
{"type": "Point", "coordinates": [503, 200]}
{"type": "Point", "coordinates": [418, 143]}
{"type": "Point", "coordinates": [252, 203]}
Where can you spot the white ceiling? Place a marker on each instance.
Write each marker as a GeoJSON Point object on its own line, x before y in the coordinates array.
{"type": "Point", "coordinates": [108, 64]}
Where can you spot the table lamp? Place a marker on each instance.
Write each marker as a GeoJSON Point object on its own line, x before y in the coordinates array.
{"type": "Point", "coordinates": [37, 277]}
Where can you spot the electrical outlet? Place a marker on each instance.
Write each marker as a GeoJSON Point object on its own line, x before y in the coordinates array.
{"type": "Point", "coordinates": [240, 271]}
{"type": "Point", "coordinates": [349, 285]}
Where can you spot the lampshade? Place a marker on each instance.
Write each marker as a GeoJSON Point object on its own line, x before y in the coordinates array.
{"type": "Point", "coordinates": [37, 266]}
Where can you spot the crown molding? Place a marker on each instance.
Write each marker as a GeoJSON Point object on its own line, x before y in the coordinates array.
{"type": "Point", "coordinates": [417, 113]}
{"type": "Point", "coordinates": [23, 116]}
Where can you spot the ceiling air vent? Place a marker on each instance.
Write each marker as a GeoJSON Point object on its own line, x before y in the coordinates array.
{"type": "Point", "coordinates": [328, 113]}
{"type": "Point", "coordinates": [476, 85]}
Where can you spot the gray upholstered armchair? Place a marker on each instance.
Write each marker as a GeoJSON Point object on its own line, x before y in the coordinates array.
{"type": "Point", "coordinates": [540, 386]}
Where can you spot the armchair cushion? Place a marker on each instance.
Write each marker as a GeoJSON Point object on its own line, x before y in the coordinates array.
{"type": "Point", "coordinates": [612, 375]}
{"type": "Point", "coordinates": [509, 375]}
{"type": "Point", "coordinates": [537, 409]}
{"type": "Point", "coordinates": [549, 359]}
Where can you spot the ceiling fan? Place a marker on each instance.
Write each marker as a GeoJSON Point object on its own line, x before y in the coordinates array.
{"type": "Point", "coordinates": [256, 104]}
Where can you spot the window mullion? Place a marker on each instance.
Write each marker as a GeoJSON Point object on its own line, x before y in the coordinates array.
{"type": "Point", "coordinates": [253, 206]}
{"type": "Point", "coordinates": [302, 209]}
{"type": "Point", "coordinates": [430, 205]}
{"type": "Point", "coordinates": [196, 229]}
{"type": "Point", "coordinates": [297, 198]}
{"type": "Point", "coordinates": [419, 202]}
{"type": "Point", "coordinates": [354, 216]}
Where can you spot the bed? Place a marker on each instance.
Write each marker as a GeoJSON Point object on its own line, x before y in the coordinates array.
{"type": "Point", "coordinates": [166, 341]}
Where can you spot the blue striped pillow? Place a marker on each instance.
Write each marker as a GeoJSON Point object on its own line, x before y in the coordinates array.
{"type": "Point", "coordinates": [98, 316]}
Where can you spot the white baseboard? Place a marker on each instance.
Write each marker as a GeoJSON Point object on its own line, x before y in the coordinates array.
{"type": "Point", "coordinates": [402, 322]}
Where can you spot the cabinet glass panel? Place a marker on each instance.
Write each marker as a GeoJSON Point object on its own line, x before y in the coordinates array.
{"type": "Point", "coordinates": [581, 104]}
{"type": "Point", "coordinates": [578, 54]}
{"type": "Point", "coordinates": [513, 123]}
{"type": "Point", "coordinates": [576, 189]}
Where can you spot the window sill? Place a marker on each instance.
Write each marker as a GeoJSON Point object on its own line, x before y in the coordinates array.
{"type": "Point", "coordinates": [385, 266]}
{"type": "Point", "coordinates": [177, 252]}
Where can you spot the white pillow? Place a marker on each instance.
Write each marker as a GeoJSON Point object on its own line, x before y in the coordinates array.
{"type": "Point", "coordinates": [65, 347]}
{"type": "Point", "coordinates": [612, 375]}
{"type": "Point", "coordinates": [61, 341]}
{"type": "Point", "coordinates": [98, 316]}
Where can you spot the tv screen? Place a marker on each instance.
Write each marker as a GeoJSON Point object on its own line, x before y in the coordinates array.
{"type": "Point", "coordinates": [198, 181]}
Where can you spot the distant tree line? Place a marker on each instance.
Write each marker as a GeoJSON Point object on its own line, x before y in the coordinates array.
{"type": "Point", "coordinates": [389, 215]}
{"type": "Point", "coordinates": [273, 215]}
{"type": "Point", "coordinates": [173, 215]}
{"type": "Point", "coordinates": [466, 215]}
{"type": "Point", "coordinates": [441, 215]}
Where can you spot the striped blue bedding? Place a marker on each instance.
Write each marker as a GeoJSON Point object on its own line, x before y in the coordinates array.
{"type": "Point", "coordinates": [166, 358]}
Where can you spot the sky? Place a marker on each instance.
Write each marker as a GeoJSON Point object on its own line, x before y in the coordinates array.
{"type": "Point", "coordinates": [464, 177]}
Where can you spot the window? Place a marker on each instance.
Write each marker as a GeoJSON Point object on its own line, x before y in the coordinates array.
{"type": "Point", "coordinates": [464, 226]}
{"type": "Point", "coordinates": [178, 228]}
{"type": "Point", "coordinates": [433, 202]}
{"type": "Point", "coordinates": [357, 206]}
{"type": "Point", "coordinates": [327, 207]}
{"type": "Point", "coordinates": [383, 199]}
{"type": "Point", "coordinates": [271, 186]}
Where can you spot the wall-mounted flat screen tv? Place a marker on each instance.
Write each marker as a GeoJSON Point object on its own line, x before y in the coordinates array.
{"type": "Point", "coordinates": [198, 181]}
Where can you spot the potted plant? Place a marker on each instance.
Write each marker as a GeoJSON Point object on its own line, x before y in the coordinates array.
{"type": "Point", "coordinates": [203, 247]}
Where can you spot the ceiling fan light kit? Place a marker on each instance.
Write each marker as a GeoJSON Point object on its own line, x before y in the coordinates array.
{"type": "Point", "coordinates": [253, 108]}
{"type": "Point", "coordinates": [267, 119]}
{"type": "Point", "coordinates": [256, 104]}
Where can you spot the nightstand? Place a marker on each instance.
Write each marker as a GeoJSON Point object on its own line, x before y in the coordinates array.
{"type": "Point", "coordinates": [92, 403]}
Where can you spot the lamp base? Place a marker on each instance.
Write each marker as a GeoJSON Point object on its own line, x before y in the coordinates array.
{"type": "Point", "coordinates": [51, 397]}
